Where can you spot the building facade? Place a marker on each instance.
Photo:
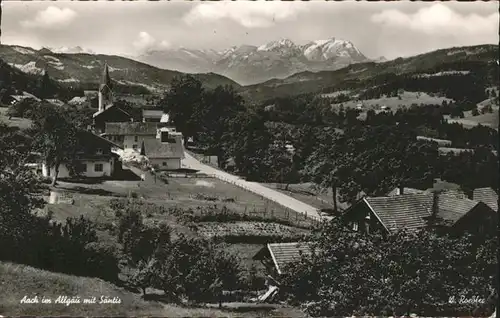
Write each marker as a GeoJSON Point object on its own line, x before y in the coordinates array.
{"type": "Point", "coordinates": [94, 159]}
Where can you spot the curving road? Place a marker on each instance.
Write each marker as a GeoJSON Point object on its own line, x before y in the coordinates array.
{"type": "Point", "coordinates": [273, 195]}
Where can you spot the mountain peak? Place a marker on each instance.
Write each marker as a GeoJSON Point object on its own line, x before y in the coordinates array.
{"type": "Point", "coordinates": [322, 50]}
{"type": "Point", "coordinates": [277, 45]}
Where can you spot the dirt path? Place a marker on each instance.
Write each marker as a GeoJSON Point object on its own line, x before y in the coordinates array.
{"type": "Point", "coordinates": [273, 195]}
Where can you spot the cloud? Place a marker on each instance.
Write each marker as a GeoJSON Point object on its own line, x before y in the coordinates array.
{"type": "Point", "coordinates": [250, 14]}
{"type": "Point", "coordinates": [439, 19]}
{"type": "Point", "coordinates": [50, 18]}
{"type": "Point", "coordinates": [146, 41]}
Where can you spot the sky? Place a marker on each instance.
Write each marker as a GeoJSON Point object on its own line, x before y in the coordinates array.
{"type": "Point", "coordinates": [389, 29]}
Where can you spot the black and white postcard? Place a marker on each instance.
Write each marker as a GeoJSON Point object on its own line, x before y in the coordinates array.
{"type": "Point", "coordinates": [249, 158]}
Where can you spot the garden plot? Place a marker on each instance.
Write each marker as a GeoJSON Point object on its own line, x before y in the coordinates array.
{"type": "Point", "coordinates": [245, 229]}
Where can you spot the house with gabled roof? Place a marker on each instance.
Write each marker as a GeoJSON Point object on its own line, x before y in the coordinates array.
{"type": "Point", "coordinates": [94, 159]}
{"type": "Point", "coordinates": [159, 142]}
{"type": "Point", "coordinates": [488, 196]}
{"type": "Point", "coordinates": [130, 135]}
{"type": "Point", "coordinates": [414, 211]}
{"type": "Point", "coordinates": [166, 151]}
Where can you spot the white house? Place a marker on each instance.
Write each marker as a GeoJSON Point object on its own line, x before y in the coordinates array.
{"type": "Point", "coordinates": [94, 159]}
{"type": "Point", "coordinates": [159, 142]}
{"type": "Point", "coordinates": [166, 151]}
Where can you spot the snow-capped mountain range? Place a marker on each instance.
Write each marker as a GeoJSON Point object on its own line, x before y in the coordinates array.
{"type": "Point", "coordinates": [248, 64]}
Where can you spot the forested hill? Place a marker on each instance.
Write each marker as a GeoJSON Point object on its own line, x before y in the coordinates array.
{"type": "Point", "coordinates": [442, 70]}
{"type": "Point", "coordinates": [14, 81]}
{"type": "Point", "coordinates": [84, 70]}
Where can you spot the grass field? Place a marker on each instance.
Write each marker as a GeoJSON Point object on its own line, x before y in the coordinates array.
{"type": "Point", "coordinates": [17, 281]}
{"type": "Point", "coordinates": [306, 193]}
{"type": "Point", "coordinates": [92, 199]}
{"type": "Point", "coordinates": [407, 99]}
{"type": "Point", "coordinates": [488, 119]}
{"type": "Point", "coordinates": [22, 123]}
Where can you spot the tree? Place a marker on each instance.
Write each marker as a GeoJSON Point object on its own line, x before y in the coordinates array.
{"type": "Point", "coordinates": [56, 138]}
{"type": "Point", "coordinates": [325, 166]}
{"type": "Point", "coordinates": [279, 159]}
{"type": "Point", "coordinates": [47, 87]}
{"type": "Point", "coordinates": [247, 141]}
{"type": "Point", "coordinates": [220, 106]}
{"type": "Point", "coordinates": [184, 103]}
{"type": "Point", "coordinates": [144, 275]}
{"type": "Point", "coordinates": [348, 273]}
{"type": "Point", "coordinates": [23, 108]}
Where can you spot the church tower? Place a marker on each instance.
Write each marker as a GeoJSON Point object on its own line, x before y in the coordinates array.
{"type": "Point", "coordinates": [105, 90]}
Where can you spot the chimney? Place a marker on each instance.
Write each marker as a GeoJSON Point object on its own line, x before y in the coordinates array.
{"type": "Point", "coordinates": [435, 203]}
{"type": "Point", "coordinates": [401, 190]}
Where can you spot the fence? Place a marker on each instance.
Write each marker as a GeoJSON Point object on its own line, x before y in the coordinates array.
{"type": "Point", "coordinates": [285, 214]}
{"type": "Point", "coordinates": [288, 211]}
{"type": "Point", "coordinates": [190, 175]}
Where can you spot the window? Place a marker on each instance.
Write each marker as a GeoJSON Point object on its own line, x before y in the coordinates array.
{"type": "Point", "coordinates": [355, 226]}
{"type": "Point", "coordinates": [98, 167]}
{"type": "Point", "coordinates": [164, 163]}
{"type": "Point", "coordinates": [134, 147]}
{"type": "Point", "coordinates": [164, 136]}
{"type": "Point", "coordinates": [136, 138]}
{"type": "Point", "coordinates": [98, 151]}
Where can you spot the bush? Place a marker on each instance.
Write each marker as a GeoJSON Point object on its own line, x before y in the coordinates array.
{"type": "Point", "coordinates": [101, 261]}
{"type": "Point", "coordinates": [195, 269]}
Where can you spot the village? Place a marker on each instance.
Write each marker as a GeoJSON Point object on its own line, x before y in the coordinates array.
{"type": "Point", "coordinates": [282, 180]}
{"type": "Point", "coordinates": [119, 150]}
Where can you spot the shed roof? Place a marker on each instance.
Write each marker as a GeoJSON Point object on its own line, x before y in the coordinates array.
{"type": "Point", "coordinates": [283, 254]}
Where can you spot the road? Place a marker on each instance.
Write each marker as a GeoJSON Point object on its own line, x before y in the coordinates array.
{"type": "Point", "coordinates": [273, 195]}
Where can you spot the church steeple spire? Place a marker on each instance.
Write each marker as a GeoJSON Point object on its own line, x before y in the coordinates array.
{"type": "Point", "coordinates": [105, 89]}
{"type": "Point", "coordinates": [105, 78]}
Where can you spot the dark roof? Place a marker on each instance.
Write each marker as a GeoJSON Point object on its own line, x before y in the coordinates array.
{"type": "Point", "coordinates": [113, 107]}
{"type": "Point", "coordinates": [411, 211]}
{"type": "Point", "coordinates": [86, 137]}
{"type": "Point", "coordinates": [131, 128]}
{"type": "Point", "coordinates": [156, 149]}
{"type": "Point", "coordinates": [283, 254]}
{"type": "Point", "coordinates": [487, 196]}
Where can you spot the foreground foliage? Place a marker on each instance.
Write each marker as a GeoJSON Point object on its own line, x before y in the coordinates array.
{"type": "Point", "coordinates": [349, 273]}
